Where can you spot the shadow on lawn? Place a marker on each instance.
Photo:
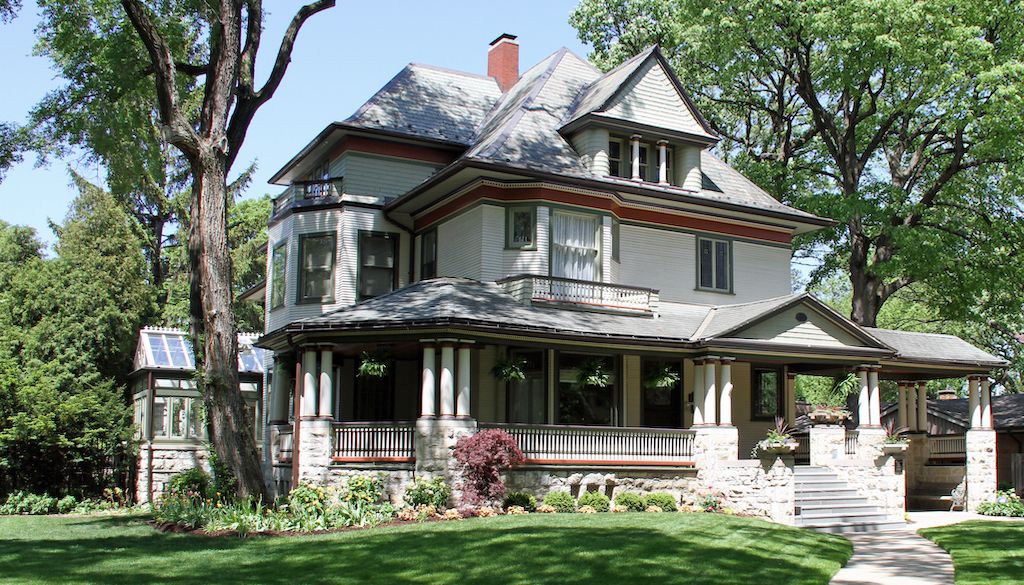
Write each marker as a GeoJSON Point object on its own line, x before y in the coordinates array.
{"type": "Point", "coordinates": [989, 552]}
{"type": "Point", "coordinates": [467, 553]}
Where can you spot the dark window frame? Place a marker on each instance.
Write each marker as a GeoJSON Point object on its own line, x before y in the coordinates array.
{"type": "Point", "coordinates": [510, 212]}
{"type": "Point", "coordinates": [395, 237]}
{"type": "Point", "coordinates": [545, 370]}
{"type": "Point", "coordinates": [730, 273]}
{"type": "Point", "coordinates": [424, 272]}
{"type": "Point", "coordinates": [300, 297]}
{"type": "Point", "coordinates": [679, 397]}
{"type": "Point", "coordinates": [617, 394]}
{"type": "Point", "coordinates": [755, 393]}
{"type": "Point", "coordinates": [278, 303]}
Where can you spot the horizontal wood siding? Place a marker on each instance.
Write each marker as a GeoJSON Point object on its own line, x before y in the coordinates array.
{"type": "Point", "coordinates": [492, 247]}
{"type": "Point", "coordinates": [816, 330]}
{"type": "Point", "coordinates": [459, 244]}
{"type": "Point", "coordinates": [651, 98]}
{"type": "Point", "coordinates": [592, 146]}
{"type": "Point", "coordinates": [528, 261]}
{"type": "Point", "coordinates": [358, 219]}
{"type": "Point", "coordinates": [367, 174]}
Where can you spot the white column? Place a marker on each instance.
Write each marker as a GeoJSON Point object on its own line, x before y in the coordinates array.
{"type": "Point", "coordinates": [973, 403]}
{"type": "Point", "coordinates": [279, 393]}
{"type": "Point", "coordinates": [663, 162]}
{"type": "Point", "coordinates": [465, 370]}
{"type": "Point", "coordinates": [790, 397]}
{"type": "Point", "coordinates": [986, 403]}
{"type": "Point", "coordinates": [447, 380]}
{"type": "Point", "coordinates": [875, 397]}
{"type": "Point", "coordinates": [634, 150]}
{"type": "Point", "coordinates": [428, 384]}
{"type": "Point", "coordinates": [901, 406]}
{"type": "Point", "coordinates": [698, 392]}
{"type": "Point", "coordinates": [922, 407]}
{"type": "Point", "coordinates": [863, 400]}
{"type": "Point", "coordinates": [725, 402]}
{"type": "Point", "coordinates": [308, 383]}
{"type": "Point", "coordinates": [326, 383]}
{"type": "Point", "coordinates": [710, 395]}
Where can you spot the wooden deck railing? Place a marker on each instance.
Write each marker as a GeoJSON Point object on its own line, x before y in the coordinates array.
{"type": "Point", "coordinates": [598, 295]}
{"type": "Point", "coordinates": [374, 442]}
{"type": "Point", "coordinates": [947, 446]}
{"type": "Point", "coordinates": [577, 445]}
{"type": "Point", "coordinates": [284, 445]}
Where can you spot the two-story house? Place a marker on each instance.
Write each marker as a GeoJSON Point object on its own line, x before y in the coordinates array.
{"type": "Point", "coordinates": [557, 253]}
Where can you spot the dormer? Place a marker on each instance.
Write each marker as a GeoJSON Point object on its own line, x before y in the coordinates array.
{"type": "Point", "coordinates": [637, 123]}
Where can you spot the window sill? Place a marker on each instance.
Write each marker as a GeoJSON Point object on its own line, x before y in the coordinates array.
{"type": "Point", "coordinates": [532, 248]}
{"type": "Point", "coordinates": [715, 290]}
{"type": "Point", "coordinates": [324, 301]}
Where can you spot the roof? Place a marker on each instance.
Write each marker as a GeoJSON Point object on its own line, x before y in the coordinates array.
{"type": "Point", "coordinates": [926, 346]}
{"type": "Point", "coordinates": [163, 348]}
{"type": "Point", "coordinates": [1007, 411]}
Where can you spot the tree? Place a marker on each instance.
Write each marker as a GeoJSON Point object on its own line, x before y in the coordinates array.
{"type": "Point", "coordinates": [210, 144]}
{"type": "Point", "coordinates": [898, 118]}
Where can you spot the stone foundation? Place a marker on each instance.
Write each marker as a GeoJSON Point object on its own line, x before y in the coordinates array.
{"type": "Point", "coordinates": [712, 444]}
{"type": "Point", "coordinates": [827, 444]}
{"type": "Point", "coordinates": [435, 441]}
{"type": "Point", "coordinates": [981, 467]}
{"type": "Point", "coordinates": [166, 461]}
{"type": "Point", "coordinates": [869, 443]}
{"type": "Point", "coordinates": [316, 441]}
{"type": "Point", "coordinates": [539, 481]}
{"type": "Point", "coordinates": [764, 487]}
{"type": "Point", "coordinates": [397, 478]}
{"type": "Point", "coordinates": [879, 480]}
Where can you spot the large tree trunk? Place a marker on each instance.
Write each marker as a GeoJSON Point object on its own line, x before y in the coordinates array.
{"type": "Point", "coordinates": [213, 324]}
{"type": "Point", "coordinates": [866, 300]}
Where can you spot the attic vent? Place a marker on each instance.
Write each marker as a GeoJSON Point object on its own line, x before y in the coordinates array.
{"type": "Point", "coordinates": [801, 317]}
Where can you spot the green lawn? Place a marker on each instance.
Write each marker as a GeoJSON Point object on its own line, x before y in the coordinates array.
{"type": "Point", "coordinates": [539, 548]}
{"type": "Point", "coordinates": [984, 552]}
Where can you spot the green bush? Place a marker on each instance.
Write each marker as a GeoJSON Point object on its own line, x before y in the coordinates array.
{"type": "Point", "coordinates": [368, 489]}
{"type": "Point", "coordinates": [595, 500]}
{"type": "Point", "coordinates": [25, 503]}
{"type": "Point", "coordinates": [191, 483]}
{"type": "Point", "coordinates": [663, 500]}
{"type": "Point", "coordinates": [521, 499]}
{"type": "Point", "coordinates": [308, 501]}
{"type": "Point", "coordinates": [631, 501]}
{"type": "Point", "coordinates": [1007, 503]}
{"type": "Point", "coordinates": [222, 481]}
{"type": "Point", "coordinates": [429, 492]}
{"type": "Point", "coordinates": [562, 502]}
{"type": "Point", "coordinates": [66, 505]}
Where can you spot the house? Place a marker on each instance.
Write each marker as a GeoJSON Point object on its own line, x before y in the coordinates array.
{"type": "Point", "coordinates": [168, 410]}
{"type": "Point", "coordinates": [559, 253]}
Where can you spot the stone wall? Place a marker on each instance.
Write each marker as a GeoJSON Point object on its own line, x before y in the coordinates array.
{"type": "Point", "coordinates": [316, 441]}
{"type": "Point", "coordinates": [764, 487]}
{"type": "Point", "coordinates": [166, 461]}
{"type": "Point", "coordinates": [879, 480]}
{"type": "Point", "coordinates": [681, 483]}
{"type": "Point", "coordinates": [397, 478]}
{"type": "Point", "coordinates": [981, 467]}
{"type": "Point", "coordinates": [827, 444]}
{"type": "Point", "coordinates": [435, 441]}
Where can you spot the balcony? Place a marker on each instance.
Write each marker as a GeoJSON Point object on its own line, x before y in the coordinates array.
{"type": "Point", "coordinates": [599, 296]}
{"type": "Point", "coordinates": [613, 446]}
{"type": "Point", "coordinates": [308, 191]}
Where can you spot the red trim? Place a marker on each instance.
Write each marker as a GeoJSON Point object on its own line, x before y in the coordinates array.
{"type": "Point", "coordinates": [618, 463]}
{"type": "Point", "coordinates": [396, 149]}
{"type": "Point", "coordinates": [373, 459]}
{"type": "Point", "coordinates": [688, 221]}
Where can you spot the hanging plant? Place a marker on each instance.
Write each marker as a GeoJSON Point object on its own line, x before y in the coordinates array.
{"type": "Point", "coordinates": [594, 372]}
{"type": "Point", "coordinates": [663, 378]}
{"type": "Point", "coordinates": [371, 366]}
{"type": "Point", "coordinates": [510, 370]}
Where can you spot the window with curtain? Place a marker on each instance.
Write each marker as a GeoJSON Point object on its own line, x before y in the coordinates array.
{"type": "Point", "coordinates": [575, 246]}
{"type": "Point", "coordinates": [714, 264]}
{"type": "Point", "coordinates": [316, 270]}
{"type": "Point", "coordinates": [278, 268]}
{"type": "Point", "coordinates": [378, 264]}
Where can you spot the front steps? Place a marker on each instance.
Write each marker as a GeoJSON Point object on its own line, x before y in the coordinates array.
{"type": "Point", "coordinates": [826, 503]}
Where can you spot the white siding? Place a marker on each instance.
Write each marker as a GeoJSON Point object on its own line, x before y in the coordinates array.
{"type": "Point", "coordinates": [652, 99]}
{"type": "Point", "coordinates": [459, 245]}
{"type": "Point", "coordinates": [592, 146]}
{"type": "Point", "coordinates": [528, 261]}
{"type": "Point", "coordinates": [355, 220]}
{"type": "Point", "coordinates": [492, 248]}
{"type": "Point", "coordinates": [367, 174]}
{"type": "Point", "coordinates": [816, 330]}
{"type": "Point", "coordinates": [606, 249]}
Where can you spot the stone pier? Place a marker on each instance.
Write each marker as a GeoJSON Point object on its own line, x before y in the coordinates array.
{"type": "Point", "coordinates": [981, 467]}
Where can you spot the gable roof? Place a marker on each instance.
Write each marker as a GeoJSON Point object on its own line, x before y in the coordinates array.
{"type": "Point", "coordinates": [1007, 411]}
{"type": "Point", "coordinates": [927, 347]}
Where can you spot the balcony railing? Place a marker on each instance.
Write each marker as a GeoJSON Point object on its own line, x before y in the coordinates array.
{"type": "Point", "coordinates": [374, 442]}
{"type": "Point", "coordinates": [577, 445]}
{"type": "Point", "coordinates": [596, 295]}
{"type": "Point", "coordinates": [852, 438]}
{"type": "Point", "coordinates": [308, 190]}
{"type": "Point", "coordinates": [946, 446]}
{"type": "Point", "coordinates": [284, 445]}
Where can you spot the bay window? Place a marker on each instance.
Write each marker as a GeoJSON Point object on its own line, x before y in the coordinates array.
{"type": "Point", "coordinates": [278, 269]}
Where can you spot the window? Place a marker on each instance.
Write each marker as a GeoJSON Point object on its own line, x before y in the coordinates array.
{"type": "Point", "coordinates": [428, 255]}
{"type": "Point", "coordinates": [575, 246]}
{"type": "Point", "coordinates": [197, 419]}
{"type": "Point", "coordinates": [527, 399]}
{"type": "Point", "coordinates": [662, 393]}
{"type": "Point", "coordinates": [278, 269]}
{"type": "Point", "coordinates": [316, 269]}
{"type": "Point", "coordinates": [714, 264]}
{"type": "Point", "coordinates": [767, 394]}
{"type": "Point", "coordinates": [620, 161]}
{"type": "Point", "coordinates": [374, 398]}
{"type": "Point", "coordinates": [378, 264]}
{"type": "Point", "coordinates": [159, 417]}
{"type": "Point", "coordinates": [615, 239]}
{"type": "Point", "coordinates": [521, 228]}
{"type": "Point", "coordinates": [615, 167]}
{"type": "Point", "coordinates": [586, 389]}
{"type": "Point", "coordinates": [645, 151]}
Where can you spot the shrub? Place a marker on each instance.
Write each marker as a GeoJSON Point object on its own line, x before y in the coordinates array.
{"type": "Point", "coordinates": [431, 492]}
{"type": "Point", "coordinates": [308, 500]}
{"type": "Point", "coordinates": [711, 501]}
{"type": "Point", "coordinates": [25, 503]}
{"type": "Point", "coordinates": [1007, 503]}
{"type": "Point", "coordinates": [516, 511]}
{"type": "Point", "coordinates": [191, 483]}
{"type": "Point", "coordinates": [223, 482]}
{"type": "Point", "coordinates": [632, 501]}
{"type": "Point", "coordinates": [654, 509]}
{"type": "Point", "coordinates": [587, 510]}
{"type": "Point", "coordinates": [368, 489]}
{"type": "Point", "coordinates": [663, 500]}
{"type": "Point", "coordinates": [521, 499]}
{"type": "Point", "coordinates": [484, 456]}
{"type": "Point", "coordinates": [596, 500]}
{"type": "Point", "coordinates": [546, 509]}
{"type": "Point", "coordinates": [562, 502]}
{"type": "Point", "coordinates": [66, 505]}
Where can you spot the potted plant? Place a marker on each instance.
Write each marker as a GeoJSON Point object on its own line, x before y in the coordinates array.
{"type": "Point", "coordinates": [829, 400]}
{"type": "Point", "coordinates": [372, 366]}
{"type": "Point", "coordinates": [778, 441]}
{"type": "Point", "coordinates": [828, 414]}
{"type": "Point", "coordinates": [664, 378]}
{"type": "Point", "coordinates": [895, 441]}
{"type": "Point", "coordinates": [594, 372]}
{"type": "Point", "coordinates": [510, 370]}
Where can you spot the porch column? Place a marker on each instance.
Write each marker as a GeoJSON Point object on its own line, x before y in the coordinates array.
{"type": "Point", "coordinates": [447, 380]}
{"type": "Point", "coordinates": [864, 399]}
{"type": "Point", "coordinates": [634, 156]}
{"type": "Point", "coordinates": [912, 406]}
{"type": "Point", "coordinates": [465, 375]}
{"type": "Point", "coordinates": [974, 404]}
{"type": "Point", "coordinates": [428, 408]}
{"type": "Point", "coordinates": [922, 407]}
{"type": "Point", "coordinates": [663, 162]}
{"type": "Point", "coordinates": [309, 375]}
{"type": "Point", "coordinates": [725, 402]}
{"type": "Point", "coordinates": [710, 394]}
{"type": "Point", "coordinates": [986, 403]}
{"type": "Point", "coordinates": [790, 399]}
{"type": "Point", "coordinates": [901, 406]}
{"type": "Point", "coordinates": [875, 397]}
{"type": "Point", "coordinates": [698, 392]}
{"type": "Point", "coordinates": [326, 383]}
{"type": "Point", "coordinates": [279, 393]}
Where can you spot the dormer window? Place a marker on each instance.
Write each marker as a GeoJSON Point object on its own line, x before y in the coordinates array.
{"type": "Point", "coordinates": [641, 161]}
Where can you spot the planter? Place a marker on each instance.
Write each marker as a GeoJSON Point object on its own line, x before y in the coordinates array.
{"type": "Point", "coordinates": [827, 417]}
{"type": "Point", "coordinates": [894, 448]}
{"type": "Point", "coordinates": [777, 448]}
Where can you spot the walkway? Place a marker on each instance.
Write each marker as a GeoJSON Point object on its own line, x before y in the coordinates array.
{"type": "Point", "coordinates": [901, 557]}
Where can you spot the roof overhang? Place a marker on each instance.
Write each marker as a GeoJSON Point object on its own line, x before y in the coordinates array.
{"type": "Point", "coordinates": [614, 124]}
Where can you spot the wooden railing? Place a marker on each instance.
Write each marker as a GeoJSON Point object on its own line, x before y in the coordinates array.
{"type": "Point", "coordinates": [802, 455]}
{"type": "Point", "coordinates": [577, 445]}
{"type": "Point", "coordinates": [303, 190]}
{"type": "Point", "coordinates": [947, 445]}
{"type": "Point", "coordinates": [851, 442]}
{"type": "Point", "coordinates": [599, 295]}
{"type": "Point", "coordinates": [374, 442]}
{"type": "Point", "coordinates": [284, 445]}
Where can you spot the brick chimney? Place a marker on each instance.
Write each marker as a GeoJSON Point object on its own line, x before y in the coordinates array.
{"type": "Point", "coordinates": [503, 61]}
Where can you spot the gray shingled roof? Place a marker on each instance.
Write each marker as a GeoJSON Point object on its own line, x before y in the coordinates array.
{"type": "Point", "coordinates": [600, 90]}
{"type": "Point", "coordinates": [932, 346]}
{"type": "Point", "coordinates": [1007, 411]}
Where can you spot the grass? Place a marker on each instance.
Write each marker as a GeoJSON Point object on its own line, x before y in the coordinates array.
{"type": "Point", "coordinates": [536, 549]}
{"type": "Point", "coordinates": [984, 552]}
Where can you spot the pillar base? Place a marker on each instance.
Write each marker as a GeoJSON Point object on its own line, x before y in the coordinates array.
{"type": "Point", "coordinates": [827, 444]}
{"type": "Point", "coordinates": [981, 467]}
{"type": "Point", "coordinates": [715, 443]}
{"type": "Point", "coordinates": [869, 442]}
{"type": "Point", "coordinates": [435, 441]}
{"type": "Point", "coordinates": [316, 446]}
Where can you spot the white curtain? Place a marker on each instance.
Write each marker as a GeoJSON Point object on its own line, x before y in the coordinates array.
{"type": "Point", "coordinates": [575, 246]}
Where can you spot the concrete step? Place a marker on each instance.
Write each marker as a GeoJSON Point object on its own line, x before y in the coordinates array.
{"type": "Point", "coordinates": [836, 508]}
{"type": "Point", "coordinates": [821, 484]}
{"type": "Point", "coordinates": [856, 527]}
{"type": "Point", "coordinates": [818, 499]}
{"type": "Point", "coordinates": [843, 517]}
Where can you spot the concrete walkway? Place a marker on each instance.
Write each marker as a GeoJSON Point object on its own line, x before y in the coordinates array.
{"type": "Point", "coordinates": [901, 557]}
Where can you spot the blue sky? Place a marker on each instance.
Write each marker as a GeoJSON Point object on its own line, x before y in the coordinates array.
{"type": "Point", "coordinates": [342, 57]}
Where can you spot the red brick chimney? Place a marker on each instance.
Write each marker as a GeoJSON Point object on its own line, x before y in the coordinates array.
{"type": "Point", "coordinates": [503, 61]}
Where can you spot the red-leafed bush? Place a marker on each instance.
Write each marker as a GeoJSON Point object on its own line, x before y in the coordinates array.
{"type": "Point", "coordinates": [484, 456]}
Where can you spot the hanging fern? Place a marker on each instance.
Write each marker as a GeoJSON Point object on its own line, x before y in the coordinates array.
{"type": "Point", "coordinates": [510, 370]}
{"type": "Point", "coordinates": [371, 366]}
{"type": "Point", "coordinates": [594, 372]}
{"type": "Point", "coordinates": [663, 378]}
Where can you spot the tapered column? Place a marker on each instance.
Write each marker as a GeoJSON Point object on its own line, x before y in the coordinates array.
{"type": "Point", "coordinates": [465, 371]}
{"type": "Point", "coordinates": [875, 396]}
{"type": "Point", "coordinates": [326, 408]}
{"type": "Point", "coordinates": [309, 382]}
{"type": "Point", "coordinates": [863, 399]}
{"type": "Point", "coordinates": [725, 402]}
{"type": "Point", "coordinates": [698, 392]}
{"type": "Point", "coordinates": [663, 162]}
{"type": "Point", "coordinates": [279, 393]}
{"type": "Point", "coordinates": [901, 406]}
{"type": "Point", "coordinates": [790, 396]}
{"type": "Point", "coordinates": [710, 392]}
{"type": "Point", "coordinates": [428, 384]}
{"type": "Point", "coordinates": [922, 407]}
{"type": "Point", "coordinates": [634, 151]}
{"type": "Point", "coordinates": [973, 402]}
{"type": "Point", "coordinates": [986, 403]}
{"type": "Point", "coordinates": [447, 381]}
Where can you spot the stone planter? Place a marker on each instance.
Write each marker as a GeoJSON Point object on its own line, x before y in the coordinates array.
{"type": "Point", "coordinates": [827, 417]}
{"type": "Point", "coordinates": [894, 448]}
{"type": "Point", "coordinates": [777, 448]}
